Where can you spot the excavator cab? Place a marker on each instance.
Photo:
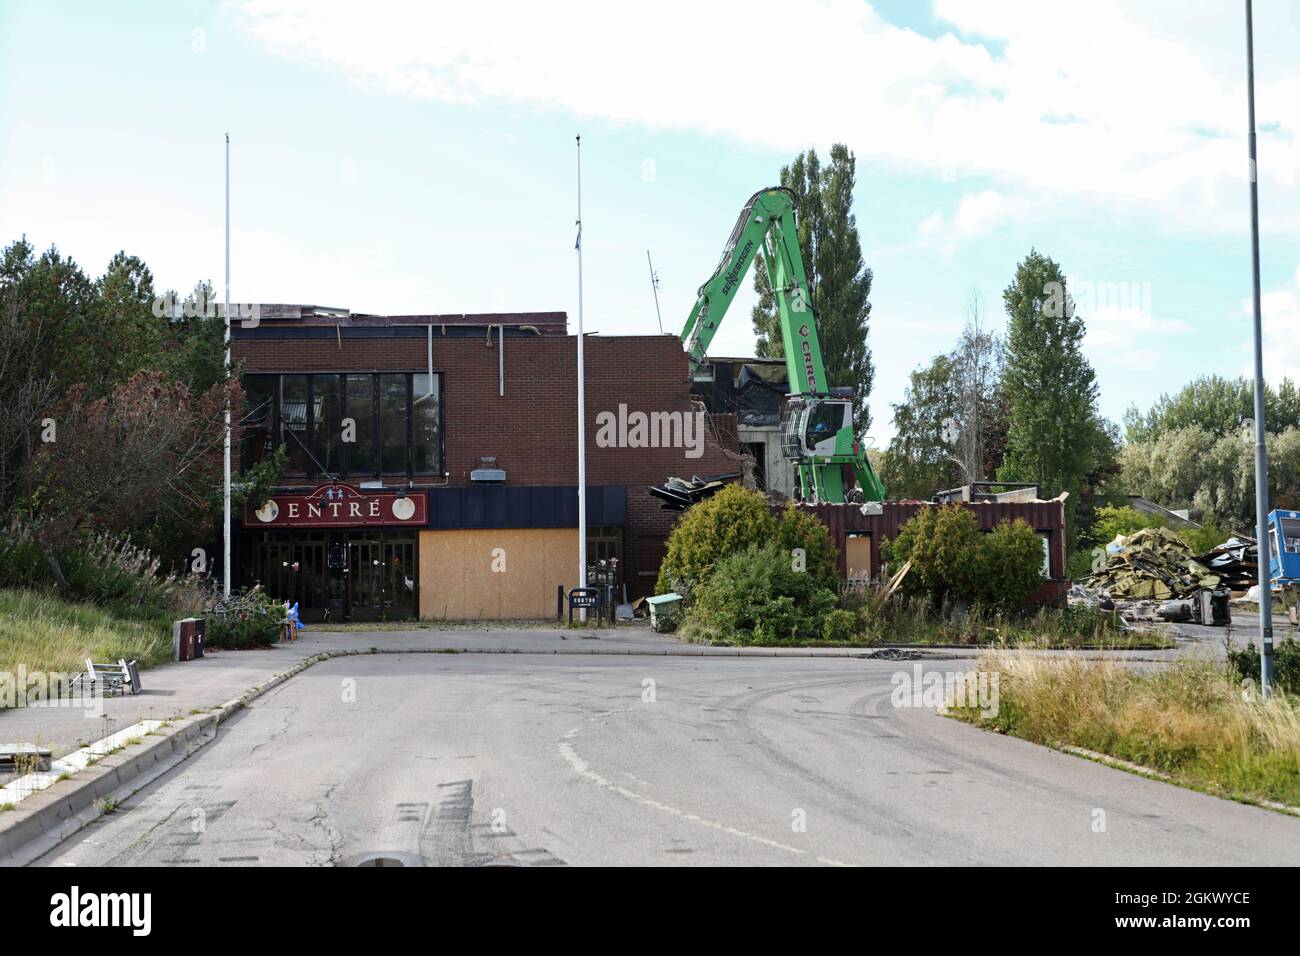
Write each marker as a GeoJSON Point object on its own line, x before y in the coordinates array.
{"type": "Point", "coordinates": [811, 425]}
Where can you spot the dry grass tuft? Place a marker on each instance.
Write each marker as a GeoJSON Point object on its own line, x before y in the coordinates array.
{"type": "Point", "coordinates": [1186, 719]}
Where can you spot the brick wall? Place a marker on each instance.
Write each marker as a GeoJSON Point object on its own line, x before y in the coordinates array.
{"type": "Point", "coordinates": [532, 430]}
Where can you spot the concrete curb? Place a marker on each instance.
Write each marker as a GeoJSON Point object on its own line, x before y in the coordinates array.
{"type": "Point", "coordinates": [45, 819]}
{"type": "Point", "coordinates": [1142, 771]}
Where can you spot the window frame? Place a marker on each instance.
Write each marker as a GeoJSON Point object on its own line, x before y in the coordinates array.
{"type": "Point", "coordinates": [345, 472]}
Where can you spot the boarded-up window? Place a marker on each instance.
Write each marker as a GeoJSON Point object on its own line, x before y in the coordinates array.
{"type": "Point", "coordinates": [857, 558]}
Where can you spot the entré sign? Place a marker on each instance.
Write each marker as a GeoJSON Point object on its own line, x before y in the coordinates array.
{"type": "Point", "coordinates": [339, 506]}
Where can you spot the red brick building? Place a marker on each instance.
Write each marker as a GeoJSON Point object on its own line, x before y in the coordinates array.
{"type": "Point", "coordinates": [433, 459]}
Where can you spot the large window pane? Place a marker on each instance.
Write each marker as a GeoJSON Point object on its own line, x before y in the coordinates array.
{"type": "Point", "coordinates": [259, 420]}
{"type": "Point", "coordinates": [327, 416]}
{"type": "Point", "coordinates": [426, 401]}
{"type": "Point", "coordinates": [293, 421]}
{"type": "Point", "coordinates": [392, 423]}
{"type": "Point", "coordinates": [361, 409]}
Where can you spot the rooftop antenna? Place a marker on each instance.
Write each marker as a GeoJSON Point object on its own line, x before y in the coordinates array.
{"type": "Point", "coordinates": [654, 287]}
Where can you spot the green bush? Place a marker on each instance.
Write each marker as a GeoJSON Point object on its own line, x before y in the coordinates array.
{"type": "Point", "coordinates": [756, 597]}
{"type": "Point", "coordinates": [800, 529]}
{"type": "Point", "coordinates": [1011, 566]}
{"type": "Point", "coordinates": [943, 545]}
{"type": "Point", "coordinates": [730, 522]}
{"type": "Point", "coordinates": [21, 563]}
{"type": "Point", "coordinates": [722, 525]}
{"type": "Point", "coordinates": [251, 619]}
{"type": "Point", "coordinates": [1245, 663]}
{"type": "Point", "coordinates": [112, 572]}
{"type": "Point", "coordinates": [953, 562]}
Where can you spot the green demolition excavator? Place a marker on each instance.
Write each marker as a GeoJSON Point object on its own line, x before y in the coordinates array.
{"type": "Point", "coordinates": [817, 426]}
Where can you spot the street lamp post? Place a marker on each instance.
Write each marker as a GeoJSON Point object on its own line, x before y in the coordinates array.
{"type": "Point", "coordinates": [1261, 451]}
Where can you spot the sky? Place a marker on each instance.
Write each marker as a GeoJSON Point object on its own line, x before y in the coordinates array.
{"type": "Point", "coordinates": [420, 158]}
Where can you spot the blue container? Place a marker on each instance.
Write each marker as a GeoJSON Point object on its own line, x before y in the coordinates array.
{"type": "Point", "coordinates": [1284, 546]}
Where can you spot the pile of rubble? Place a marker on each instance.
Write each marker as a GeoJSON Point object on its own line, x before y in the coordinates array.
{"type": "Point", "coordinates": [679, 494]}
{"type": "Point", "coordinates": [1152, 565]}
{"type": "Point", "coordinates": [1236, 562]}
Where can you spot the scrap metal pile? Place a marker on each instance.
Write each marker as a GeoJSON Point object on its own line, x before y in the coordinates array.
{"type": "Point", "coordinates": [1152, 564]}
{"type": "Point", "coordinates": [1236, 562]}
{"type": "Point", "coordinates": [679, 494]}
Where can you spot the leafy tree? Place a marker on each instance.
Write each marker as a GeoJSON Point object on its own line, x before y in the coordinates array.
{"type": "Point", "coordinates": [1211, 475]}
{"type": "Point", "coordinates": [197, 354]}
{"type": "Point", "coordinates": [726, 523]}
{"type": "Point", "coordinates": [1053, 437]}
{"type": "Point", "coordinates": [838, 281]}
{"type": "Point", "coordinates": [142, 454]}
{"type": "Point", "coordinates": [919, 460]}
{"type": "Point", "coordinates": [951, 426]}
{"type": "Point", "coordinates": [1216, 404]}
{"type": "Point", "coordinates": [68, 346]}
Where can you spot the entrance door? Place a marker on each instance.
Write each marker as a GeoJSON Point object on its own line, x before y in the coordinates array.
{"type": "Point", "coordinates": [309, 553]}
{"type": "Point", "coordinates": [399, 578]}
{"type": "Point", "coordinates": [383, 576]}
{"type": "Point", "coordinates": [365, 567]}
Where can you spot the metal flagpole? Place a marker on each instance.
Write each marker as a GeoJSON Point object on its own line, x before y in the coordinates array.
{"type": "Point", "coordinates": [226, 491]}
{"type": "Point", "coordinates": [581, 393]}
{"type": "Point", "coordinates": [1261, 451]}
{"type": "Point", "coordinates": [654, 287]}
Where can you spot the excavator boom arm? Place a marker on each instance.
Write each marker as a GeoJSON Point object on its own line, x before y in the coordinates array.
{"type": "Point", "coordinates": [767, 226]}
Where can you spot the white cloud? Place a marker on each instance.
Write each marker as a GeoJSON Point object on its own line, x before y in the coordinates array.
{"type": "Point", "coordinates": [1145, 105]}
{"type": "Point", "coordinates": [1280, 314]}
{"type": "Point", "coordinates": [977, 214]}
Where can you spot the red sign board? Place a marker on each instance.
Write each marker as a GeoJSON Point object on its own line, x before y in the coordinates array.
{"type": "Point", "coordinates": [340, 506]}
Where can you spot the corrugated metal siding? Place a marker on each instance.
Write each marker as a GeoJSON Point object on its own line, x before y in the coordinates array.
{"type": "Point", "coordinates": [1044, 516]}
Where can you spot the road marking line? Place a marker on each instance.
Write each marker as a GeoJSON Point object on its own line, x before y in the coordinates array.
{"type": "Point", "coordinates": [583, 769]}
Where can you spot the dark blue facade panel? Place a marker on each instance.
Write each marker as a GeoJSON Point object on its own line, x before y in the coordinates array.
{"type": "Point", "coordinates": [505, 506]}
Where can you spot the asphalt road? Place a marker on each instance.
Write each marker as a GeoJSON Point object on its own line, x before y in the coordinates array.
{"type": "Point", "coordinates": [546, 760]}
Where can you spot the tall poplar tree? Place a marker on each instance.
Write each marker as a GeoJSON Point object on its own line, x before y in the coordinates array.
{"type": "Point", "coordinates": [1055, 434]}
{"type": "Point", "coordinates": [838, 280]}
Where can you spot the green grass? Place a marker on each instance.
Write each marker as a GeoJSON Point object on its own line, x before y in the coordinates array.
{"type": "Point", "coordinates": [1188, 720]}
{"type": "Point", "coordinates": [44, 633]}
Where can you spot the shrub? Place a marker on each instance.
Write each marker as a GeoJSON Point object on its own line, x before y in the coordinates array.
{"type": "Point", "coordinates": [722, 525]}
{"type": "Point", "coordinates": [103, 569]}
{"type": "Point", "coordinates": [943, 545]}
{"type": "Point", "coordinates": [800, 529]}
{"type": "Point", "coordinates": [21, 563]}
{"type": "Point", "coordinates": [756, 597]}
{"type": "Point", "coordinates": [1245, 663]}
{"type": "Point", "coordinates": [251, 619]}
{"type": "Point", "coordinates": [1010, 567]}
{"type": "Point", "coordinates": [954, 562]}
